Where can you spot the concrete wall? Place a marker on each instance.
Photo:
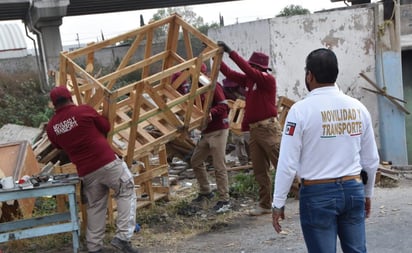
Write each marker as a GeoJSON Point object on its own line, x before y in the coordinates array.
{"type": "Point", "coordinates": [350, 33]}
{"type": "Point", "coordinates": [16, 65]}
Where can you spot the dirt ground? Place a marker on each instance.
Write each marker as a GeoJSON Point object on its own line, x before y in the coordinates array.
{"type": "Point", "coordinates": [388, 228]}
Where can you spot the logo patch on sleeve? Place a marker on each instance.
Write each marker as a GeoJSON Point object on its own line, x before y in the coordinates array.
{"type": "Point", "coordinates": [290, 128]}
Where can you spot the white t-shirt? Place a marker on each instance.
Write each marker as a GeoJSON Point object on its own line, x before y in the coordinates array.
{"type": "Point", "coordinates": [326, 135]}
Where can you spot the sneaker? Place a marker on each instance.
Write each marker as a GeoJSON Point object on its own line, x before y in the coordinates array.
{"type": "Point", "coordinates": [259, 211]}
{"type": "Point", "coordinates": [201, 197]}
{"type": "Point", "coordinates": [124, 246]}
{"type": "Point", "coordinates": [222, 206]}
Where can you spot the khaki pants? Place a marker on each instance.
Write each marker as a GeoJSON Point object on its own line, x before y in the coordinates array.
{"type": "Point", "coordinates": [264, 146]}
{"type": "Point", "coordinates": [213, 144]}
{"type": "Point", "coordinates": [96, 186]}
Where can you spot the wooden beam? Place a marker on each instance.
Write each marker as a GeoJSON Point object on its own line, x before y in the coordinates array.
{"type": "Point", "coordinates": [383, 93]}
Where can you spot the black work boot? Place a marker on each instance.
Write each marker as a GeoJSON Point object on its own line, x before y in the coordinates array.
{"type": "Point", "coordinates": [202, 197]}
{"type": "Point", "coordinates": [124, 246]}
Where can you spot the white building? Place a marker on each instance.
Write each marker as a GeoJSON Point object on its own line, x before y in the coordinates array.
{"type": "Point", "coordinates": [12, 41]}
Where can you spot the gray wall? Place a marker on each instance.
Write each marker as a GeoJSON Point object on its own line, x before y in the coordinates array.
{"type": "Point", "coordinates": [16, 65]}
{"type": "Point", "coordinates": [350, 33]}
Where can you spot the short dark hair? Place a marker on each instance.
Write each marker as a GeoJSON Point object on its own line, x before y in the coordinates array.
{"type": "Point", "coordinates": [323, 64]}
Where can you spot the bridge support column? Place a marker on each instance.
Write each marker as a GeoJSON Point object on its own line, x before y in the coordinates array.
{"type": "Point", "coordinates": [44, 19]}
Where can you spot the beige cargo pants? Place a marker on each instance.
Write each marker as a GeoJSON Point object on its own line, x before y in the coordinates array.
{"type": "Point", "coordinates": [213, 144]}
{"type": "Point", "coordinates": [96, 185]}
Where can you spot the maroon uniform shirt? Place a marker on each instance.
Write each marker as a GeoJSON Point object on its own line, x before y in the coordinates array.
{"type": "Point", "coordinates": [260, 87]}
{"type": "Point", "coordinates": [81, 132]}
{"type": "Point", "coordinates": [219, 111]}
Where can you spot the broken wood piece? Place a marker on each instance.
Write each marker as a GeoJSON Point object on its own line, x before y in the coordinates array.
{"type": "Point", "coordinates": [382, 92]}
{"type": "Point", "coordinates": [242, 167]}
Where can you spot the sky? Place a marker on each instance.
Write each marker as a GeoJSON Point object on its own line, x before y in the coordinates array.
{"type": "Point", "coordinates": [235, 11]}
{"type": "Point", "coordinates": [88, 28]}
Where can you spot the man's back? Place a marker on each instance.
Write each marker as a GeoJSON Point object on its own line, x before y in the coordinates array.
{"type": "Point", "coordinates": [333, 125]}
{"type": "Point", "coordinates": [80, 131]}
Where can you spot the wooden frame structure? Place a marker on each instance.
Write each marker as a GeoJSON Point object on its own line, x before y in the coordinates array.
{"type": "Point", "coordinates": [146, 112]}
{"type": "Point", "coordinates": [151, 102]}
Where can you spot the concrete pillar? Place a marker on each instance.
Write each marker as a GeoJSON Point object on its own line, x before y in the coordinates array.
{"type": "Point", "coordinates": [389, 77]}
{"type": "Point", "coordinates": [50, 42]}
{"type": "Point", "coordinates": [44, 20]}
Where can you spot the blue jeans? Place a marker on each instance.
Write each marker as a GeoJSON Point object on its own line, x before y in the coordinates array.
{"type": "Point", "coordinates": [331, 210]}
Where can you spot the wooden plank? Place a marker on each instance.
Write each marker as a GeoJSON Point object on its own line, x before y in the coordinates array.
{"type": "Point", "coordinates": [188, 44]}
{"type": "Point", "coordinates": [382, 92]}
{"type": "Point", "coordinates": [62, 73]}
{"type": "Point", "coordinates": [163, 106]}
{"type": "Point", "coordinates": [90, 60]}
{"type": "Point", "coordinates": [171, 43]}
{"type": "Point", "coordinates": [236, 114]}
{"type": "Point", "coordinates": [132, 68]}
{"type": "Point", "coordinates": [72, 74]}
{"type": "Point", "coordinates": [242, 167]}
{"type": "Point", "coordinates": [284, 104]}
{"type": "Point", "coordinates": [132, 49]}
{"type": "Point", "coordinates": [148, 51]}
{"type": "Point", "coordinates": [122, 37]}
{"type": "Point", "coordinates": [156, 196]}
{"type": "Point", "coordinates": [156, 122]}
{"type": "Point", "coordinates": [208, 42]}
{"type": "Point", "coordinates": [134, 127]}
{"type": "Point", "coordinates": [191, 100]}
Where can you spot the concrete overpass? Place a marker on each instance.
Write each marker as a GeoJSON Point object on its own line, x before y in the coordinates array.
{"type": "Point", "coordinates": [44, 17]}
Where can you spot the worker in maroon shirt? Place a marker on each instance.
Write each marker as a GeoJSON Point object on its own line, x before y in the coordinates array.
{"type": "Point", "coordinates": [260, 118]}
{"type": "Point", "coordinates": [213, 142]}
{"type": "Point", "coordinates": [184, 87]}
{"type": "Point", "coordinates": [81, 132]}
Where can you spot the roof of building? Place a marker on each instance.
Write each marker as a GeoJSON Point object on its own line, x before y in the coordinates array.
{"type": "Point", "coordinates": [12, 42]}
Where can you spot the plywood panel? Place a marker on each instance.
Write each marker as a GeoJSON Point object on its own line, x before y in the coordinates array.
{"type": "Point", "coordinates": [17, 159]}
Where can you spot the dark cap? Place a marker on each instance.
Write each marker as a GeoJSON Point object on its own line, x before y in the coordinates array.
{"type": "Point", "coordinates": [58, 93]}
{"type": "Point", "coordinates": [227, 83]}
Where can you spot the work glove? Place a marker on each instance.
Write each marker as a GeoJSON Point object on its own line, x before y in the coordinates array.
{"type": "Point", "coordinates": [225, 47]}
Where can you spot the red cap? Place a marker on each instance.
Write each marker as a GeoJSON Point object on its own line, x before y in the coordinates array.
{"type": "Point", "coordinates": [260, 59]}
{"type": "Point", "coordinates": [203, 69]}
{"type": "Point", "coordinates": [59, 92]}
